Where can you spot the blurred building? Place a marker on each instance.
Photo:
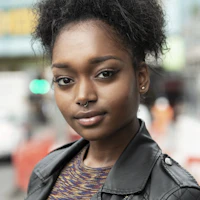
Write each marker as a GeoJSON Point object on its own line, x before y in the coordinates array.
{"type": "Point", "coordinates": [182, 62]}
{"type": "Point", "coordinates": [21, 62]}
{"type": "Point", "coordinates": [191, 33]}
{"type": "Point", "coordinates": [15, 54]}
{"type": "Point", "coordinates": [16, 25]}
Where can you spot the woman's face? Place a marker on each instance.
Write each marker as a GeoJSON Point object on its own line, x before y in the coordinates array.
{"type": "Point", "coordinates": [88, 66]}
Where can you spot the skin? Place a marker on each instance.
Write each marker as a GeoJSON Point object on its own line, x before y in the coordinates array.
{"type": "Point", "coordinates": [88, 65]}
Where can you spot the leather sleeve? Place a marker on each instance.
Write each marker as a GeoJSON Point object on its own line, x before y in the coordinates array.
{"type": "Point", "coordinates": [185, 194]}
{"type": "Point", "coordinates": [33, 185]}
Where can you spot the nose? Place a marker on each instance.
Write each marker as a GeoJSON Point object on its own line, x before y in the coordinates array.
{"type": "Point", "coordinates": [85, 93]}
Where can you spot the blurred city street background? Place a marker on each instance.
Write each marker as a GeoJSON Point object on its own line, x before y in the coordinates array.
{"type": "Point", "coordinates": [31, 125]}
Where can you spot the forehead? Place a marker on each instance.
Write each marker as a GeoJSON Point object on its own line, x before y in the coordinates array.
{"type": "Point", "coordinates": [87, 34]}
{"type": "Point", "coordinates": [89, 25]}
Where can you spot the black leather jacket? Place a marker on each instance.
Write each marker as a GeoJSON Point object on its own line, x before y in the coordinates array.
{"type": "Point", "coordinates": [141, 173]}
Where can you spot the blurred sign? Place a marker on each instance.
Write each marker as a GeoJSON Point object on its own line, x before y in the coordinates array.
{"type": "Point", "coordinates": [174, 16]}
{"type": "Point", "coordinates": [16, 22]}
{"type": "Point", "coordinates": [174, 59]}
{"type": "Point", "coordinates": [39, 86]}
{"type": "Point", "coordinates": [16, 3]}
{"type": "Point", "coordinates": [14, 91]}
{"type": "Point", "coordinates": [18, 46]}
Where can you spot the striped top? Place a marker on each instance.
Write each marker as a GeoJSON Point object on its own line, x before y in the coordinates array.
{"type": "Point", "coordinates": [78, 181]}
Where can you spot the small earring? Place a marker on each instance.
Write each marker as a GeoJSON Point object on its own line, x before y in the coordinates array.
{"type": "Point", "coordinates": [143, 87]}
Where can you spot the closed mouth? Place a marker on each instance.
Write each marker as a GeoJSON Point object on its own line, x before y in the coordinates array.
{"type": "Point", "coordinates": [88, 114]}
{"type": "Point", "coordinates": [90, 118]}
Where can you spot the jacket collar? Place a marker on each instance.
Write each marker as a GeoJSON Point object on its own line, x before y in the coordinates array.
{"type": "Point", "coordinates": [53, 163]}
{"type": "Point", "coordinates": [138, 160]}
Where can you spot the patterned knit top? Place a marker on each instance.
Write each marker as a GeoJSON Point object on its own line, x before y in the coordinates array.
{"type": "Point", "coordinates": [78, 181]}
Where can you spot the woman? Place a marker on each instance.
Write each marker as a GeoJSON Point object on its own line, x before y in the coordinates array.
{"type": "Point", "coordinates": [98, 50]}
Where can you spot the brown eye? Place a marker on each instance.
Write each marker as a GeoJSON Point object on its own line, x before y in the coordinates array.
{"type": "Point", "coordinates": [106, 74]}
{"type": "Point", "coordinates": [63, 81]}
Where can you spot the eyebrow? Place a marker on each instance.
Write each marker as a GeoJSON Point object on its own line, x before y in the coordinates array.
{"type": "Point", "coordinates": [96, 60]}
{"type": "Point", "coordinates": [59, 65]}
{"type": "Point", "coordinates": [103, 59]}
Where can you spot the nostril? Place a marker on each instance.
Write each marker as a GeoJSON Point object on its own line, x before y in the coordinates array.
{"type": "Point", "coordinates": [82, 103]}
{"type": "Point", "coordinates": [85, 105]}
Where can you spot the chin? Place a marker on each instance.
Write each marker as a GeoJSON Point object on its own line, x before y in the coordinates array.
{"type": "Point", "coordinates": [94, 135]}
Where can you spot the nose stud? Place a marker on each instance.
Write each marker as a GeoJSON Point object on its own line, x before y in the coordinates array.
{"type": "Point", "coordinates": [85, 105]}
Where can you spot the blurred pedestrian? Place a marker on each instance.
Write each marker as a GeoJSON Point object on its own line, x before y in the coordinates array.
{"type": "Point", "coordinates": [98, 50]}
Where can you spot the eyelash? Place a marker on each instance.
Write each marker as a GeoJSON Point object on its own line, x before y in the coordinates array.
{"type": "Point", "coordinates": [113, 72]}
{"type": "Point", "coordinates": [57, 80]}
{"type": "Point", "coordinates": [110, 74]}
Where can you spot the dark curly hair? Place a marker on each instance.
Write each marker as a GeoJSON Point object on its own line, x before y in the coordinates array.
{"type": "Point", "coordinates": [139, 24]}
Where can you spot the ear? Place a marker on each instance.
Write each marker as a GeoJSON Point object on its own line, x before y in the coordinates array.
{"type": "Point", "coordinates": [143, 78]}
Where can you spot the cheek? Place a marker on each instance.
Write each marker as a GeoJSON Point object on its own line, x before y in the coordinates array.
{"type": "Point", "coordinates": [62, 101]}
{"type": "Point", "coordinates": [127, 101]}
{"type": "Point", "coordinates": [58, 97]}
{"type": "Point", "coordinates": [123, 98]}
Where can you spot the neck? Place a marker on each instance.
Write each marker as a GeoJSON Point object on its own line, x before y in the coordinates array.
{"type": "Point", "coordinates": [106, 152]}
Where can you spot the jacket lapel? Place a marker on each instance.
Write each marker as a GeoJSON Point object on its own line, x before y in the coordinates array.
{"type": "Point", "coordinates": [132, 170]}
{"type": "Point", "coordinates": [57, 159]}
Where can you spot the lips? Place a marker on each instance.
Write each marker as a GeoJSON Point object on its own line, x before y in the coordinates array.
{"type": "Point", "coordinates": [90, 118]}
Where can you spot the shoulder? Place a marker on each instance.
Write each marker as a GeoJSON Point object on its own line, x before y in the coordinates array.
{"type": "Point", "coordinates": [183, 193]}
{"type": "Point", "coordinates": [52, 156]}
{"type": "Point", "coordinates": [52, 164]}
{"type": "Point", "coordinates": [48, 161]}
{"type": "Point", "coordinates": [173, 181]}
{"type": "Point", "coordinates": [63, 153]}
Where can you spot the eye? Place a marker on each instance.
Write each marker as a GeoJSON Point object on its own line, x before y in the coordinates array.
{"type": "Point", "coordinates": [106, 74]}
{"type": "Point", "coordinates": [64, 81]}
